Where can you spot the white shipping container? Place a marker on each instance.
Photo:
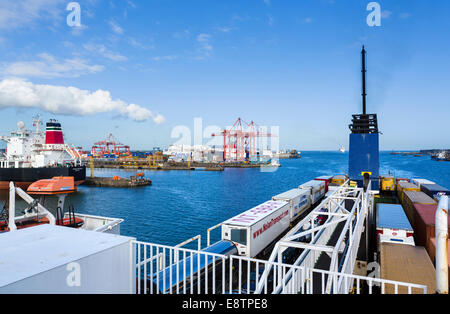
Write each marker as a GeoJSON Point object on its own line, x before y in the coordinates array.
{"type": "Point", "coordinates": [49, 259]}
{"type": "Point", "coordinates": [255, 229]}
{"type": "Point", "coordinates": [299, 202]}
{"type": "Point", "coordinates": [316, 188]}
{"type": "Point", "coordinates": [419, 182]}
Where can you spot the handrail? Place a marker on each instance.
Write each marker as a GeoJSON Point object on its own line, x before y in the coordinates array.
{"type": "Point", "coordinates": [208, 233]}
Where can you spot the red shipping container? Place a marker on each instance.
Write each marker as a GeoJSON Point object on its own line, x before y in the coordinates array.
{"type": "Point", "coordinates": [327, 180]}
{"type": "Point", "coordinates": [397, 180]}
{"type": "Point", "coordinates": [424, 223]}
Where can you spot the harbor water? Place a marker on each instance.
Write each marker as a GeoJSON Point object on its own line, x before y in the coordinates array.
{"type": "Point", "coordinates": [183, 204]}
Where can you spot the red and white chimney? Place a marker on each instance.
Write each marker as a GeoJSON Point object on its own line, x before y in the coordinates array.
{"type": "Point", "coordinates": [53, 133]}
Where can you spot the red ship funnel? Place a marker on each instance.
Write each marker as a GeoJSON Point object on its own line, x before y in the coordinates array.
{"type": "Point", "coordinates": [53, 133]}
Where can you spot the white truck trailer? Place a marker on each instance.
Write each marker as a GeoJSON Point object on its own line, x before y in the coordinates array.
{"type": "Point", "coordinates": [255, 229]}
{"type": "Point", "coordinates": [316, 189]}
{"type": "Point", "coordinates": [299, 202]}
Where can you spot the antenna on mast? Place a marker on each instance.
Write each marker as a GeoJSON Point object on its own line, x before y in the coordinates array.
{"type": "Point", "coordinates": [363, 55]}
{"type": "Point", "coordinates": [37, 122]}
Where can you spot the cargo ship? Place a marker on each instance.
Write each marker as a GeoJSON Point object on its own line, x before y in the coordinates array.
{"type": "Point", "coordinates": [354, 233]}
{"type": "Point", "coordinates": [34, 155]}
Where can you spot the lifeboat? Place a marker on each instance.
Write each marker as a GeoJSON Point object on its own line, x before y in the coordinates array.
{"type": "Point", "coordinates": [35, 214]}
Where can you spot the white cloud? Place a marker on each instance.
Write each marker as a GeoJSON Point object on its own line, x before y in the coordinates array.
{"type": "Point", "coordinates": [165, 58]}
{"type": "Point", "coordinates": [206, 48]}
{"type": "Point", "coordinates": [405, 15]}
{"type": "Point", "coordinates": [16, 14]}
{"type": "Point", "coordinates": [105, 52]}
{"type": "Point", "coordinates": [69, 101]}
{"type": "Point", "coordinates": [271, 20]}
{"type": "Point", "coordinates": [116, 28]}
{"type": "Point", "coordinates": [224, 29]}
{"type": "Point", "coordinates": [386, 14]}
{"type": "Point", "coordinates": [47, 66]}
{"type": "Point", "coordinates": [203, 37]}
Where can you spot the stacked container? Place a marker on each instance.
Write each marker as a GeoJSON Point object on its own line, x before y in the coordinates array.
{"type": "Point", "coordinates": [316, 189]}
{"type": "Point", "coordinates": [419, 182]}
{"type": "Point", "coordinates": [412, 198]}
{"type": "Point", "coordinates": [406, 263]}
{"type": "Point", "coordinates": [434, 189]}
{"type": "Point", "coordinates": [393, 225]}
{"type": "Point", "coordinates": [424, 224]}
{"type": "Point", "coordinates": [397, 180]}
{"type": "Point", "coordinates": [326, 179]}
{"type": "Point", "coordinates": [339, 180]}
{"type": "Point", "coordinates": [387, 184]}
{"type": "Point", "coordinates": [432, 252]}
{"type": "Point", "coordinates": [404, 186]}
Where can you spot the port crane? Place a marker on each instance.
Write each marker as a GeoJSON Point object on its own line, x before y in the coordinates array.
{"type": "Point", "coordinates": [239, 142]}
{"type": "Point", "coordinates": [110, 146]}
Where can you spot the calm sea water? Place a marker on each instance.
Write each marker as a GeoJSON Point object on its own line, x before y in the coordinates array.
{"type": "Point", "coordinates": [182, 204]}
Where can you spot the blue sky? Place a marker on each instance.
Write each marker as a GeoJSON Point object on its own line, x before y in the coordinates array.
{"type": "Point", "coordinates": [138, 68]}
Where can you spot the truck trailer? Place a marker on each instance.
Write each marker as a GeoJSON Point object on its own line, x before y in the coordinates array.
{"type": "Point", "coordinates": [299, 202]}
{"type": "Point", "coordinates": [316, 188]}
{"type": "Point", "coordinates": [254, 230]}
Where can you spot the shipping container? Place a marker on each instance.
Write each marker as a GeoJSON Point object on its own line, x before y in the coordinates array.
{"type": "Point", "coordinates": [339, 179]}
{"type": "Point", "coordinates": [387, 184]}
{"type": "Point", "coordinates": [50, 259]}
{"type": "Point", "coordinates": [419, 182]}
{"type": "Point", "coordinates": [405, 186]}
{"type": "Point", "coordinates": [431, 249]}
{"type": "Point", "coordinates": [424, 223]}
{"type": "Point", "coordinates": [326, 179]}
{"type": "Point", "coordinates": [434, 189]}
{"type": "Point", "coordinates": [332, 187]}
{"type": "Point", "coordinates": [406, 263]}
{"type": "Point", "coordinates": [393, 225]}
{"type": "Point", "coordinates": [397, 180]}
{"type": "Point", "coordinates": [299, 202]}
{"type": "Point", "coordinates": [253, 230]}
{"type": "Point", "coordinates": [412, 197]}
{"type": "Point", "coordinates": [316, 188]}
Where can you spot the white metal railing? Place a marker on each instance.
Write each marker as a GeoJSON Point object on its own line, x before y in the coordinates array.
{"type": "Point", "coordinates": [334, 209]}
{"type": "Point", "coordinates": [208, 233]}
{"type": "Point", "coordinates": [355, 237]}
{"type": "Point", "coordinates": [199, 272]}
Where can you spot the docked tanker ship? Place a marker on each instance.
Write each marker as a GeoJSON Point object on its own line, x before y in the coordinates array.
{"type": "Point", "coordinates": [34, 155]}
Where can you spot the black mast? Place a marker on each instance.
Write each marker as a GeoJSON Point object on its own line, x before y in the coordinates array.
{"type": "Point", "coordinates": [364, 123]}
{"type": "Point", "coordinates": [363, 54]}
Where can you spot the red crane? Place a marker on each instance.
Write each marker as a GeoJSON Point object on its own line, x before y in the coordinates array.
{"type": "Point", "coordinates": [110, 146]}
{"type": "Point", "coordinates": [240, 140]}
